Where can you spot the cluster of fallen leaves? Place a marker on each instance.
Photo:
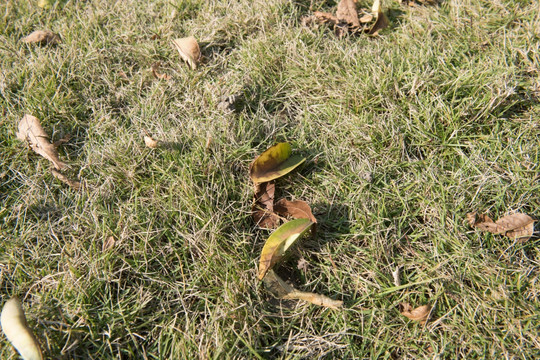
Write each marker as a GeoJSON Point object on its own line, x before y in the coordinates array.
{"type": "Point", "coordinates": [351, 20]}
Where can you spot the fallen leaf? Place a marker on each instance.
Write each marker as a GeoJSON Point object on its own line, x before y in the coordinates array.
{"type": "Point", "coordinates": [30, 130]}
{"type": "Point", "coordinates": [420, 314]}
{"type": "Point", "coordinates": [151, 142]}
{"type": "Point", "coordinates": [283, 290]}
{"type": "Point", "coordinates": [324, 17]}
{"type": "Point", "coordinates": [381, 21]}
{"type": "Point", "coordinates": [108, 244]}
{"type": "Point", "coordinates": [279, 242]}
{"type": "Point", "coordinates": [274, 163]}
{"type": "Point", "coordinates": [516, 226]}
{"type": "Point", "coordinates": [346, 12]}
{"type": "Point", "coordinates": [189, 50]}
{"type": "Point", "coordinates": [155, 37]}
{"type": "Point", "coordinates": [45, 4]}
{"type": "Point", "coordinates": [155, 71]}
{"type": "Point", "coordinates": [42, 37]}
{"type": "Point", "coordinates": [15, 327]}
{"type": "Point", "coordinates": [263, 206]}
{"type": "Point", "coordinates": [74, 184]}
{"type": "Point", "coordinates": [123, 75]}
{"type": "Point", "coordinates": [296, 209]}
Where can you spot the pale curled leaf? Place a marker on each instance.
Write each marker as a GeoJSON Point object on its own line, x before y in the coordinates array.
{"type": "Point", "coordinates": [151, 142]}
{"type": "Point", "coordinates": [63, 178]}
{"type": "Point", "coordinates": [281, 289]}
{"type": "Point", "coordinates": [279, 242]}
{"type": "Point", "coordinates": [189, 50]}
{"type": "Point", "coordinates": [420, 314]}
{"type": "Point", "coordinates": [15, 327]}
{"type": "Point", "coordinates": [156, 72]}
{"type": "Point", "coordinates": [30, 130]}
{"type": "Point", "coordinates": [108, 244]}
{"type": "Point", "coordinates": [274, 163]}
{"type": "Point", "coordinates": [42, 37]}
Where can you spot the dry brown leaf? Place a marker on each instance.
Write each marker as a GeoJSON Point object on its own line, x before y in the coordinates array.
{"type": "Point", "coordinates": [420, 314]}
{"type": "Point", "coordinates": [155, 71]}
{"type": "Point", "coordinates": [42, 37]}
{"type": "Point", "coordinates": [189, 50]}
{"type": "Point", "coordinates": [296, 209]}
{"type": "Point", "coordinates": [516, 226]}
{"type": "Point", "coordinates": [30, 130]}
{"type": "Point", "coordinates": [324, 17]}
{"type": "Point", "coordinates": [108, 244]}
{"type": "Point", "coordinates": [346, 12]}
{"type": "Point", "coordinates": [123, 75]}
{"type": "Point", "coordinates": [151, 142]}
{"type": "Point", "coordinates": [263, 207]}
{"type": "Point", "coordinates": [63, 178]}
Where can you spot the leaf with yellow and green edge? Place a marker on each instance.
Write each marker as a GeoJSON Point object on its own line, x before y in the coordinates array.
{"type": "Point", "coordinates": [279, 242]}
{"type": "Point", "coordinates": [274, 163]}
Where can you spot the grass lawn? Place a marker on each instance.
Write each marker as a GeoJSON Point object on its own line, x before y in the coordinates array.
{"type": "Point", "coordinates": [403, 135]}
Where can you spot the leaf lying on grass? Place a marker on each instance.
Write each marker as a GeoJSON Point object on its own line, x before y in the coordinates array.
{"type": "Point", "coordinates": [347, 21]}
{"type": "Point", "coordinates": [63, 178]}
{"type": "Point", "coordinates": [151, 142]}
{"type": "Point", "coordinates": [516, 226]}
{"type": "Point", "coordinates": [420, 314]}
{"type": "Point", "coordinates": [279, 242]}
{"type": "Point", "coordinates": [108, 244]}
{"type": "Point", "coordinates": [15, 327]}
{"type": "Point", "coordinates": [296, 209]}
{"type": "Point", "coordinates": [263, 206]}
{"type": "Point", "coordinates": [417, 2]}
{"type": "Point", "coordinates": [30, 130]}
{"type": "Point", "coordinates": [155, 71]}
{"type": "Point", "coordinates": [283, 290]}
{"type": "Point", "coordinates": [42, 37]}
{"type": "Point", "coordinates": [189, 50]}
{"type": "Point", "coordinates": [274, 163]}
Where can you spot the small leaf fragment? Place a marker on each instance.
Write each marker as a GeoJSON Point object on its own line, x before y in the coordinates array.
{"type": "Point", "coordinates": [108, 244]}
{"type": "Point", "coordinates": [281, 289]}
{"type": "Point", "coordinates": [155, 71]}
{"type": "Point", "coordinates": [420, 314]}
{"type": "Point", "coordinates": [296, 209]}
{"type": "Point", "coordinates": [151, 142]}
{"type": "Point", "coordinates": [274, 163]}
{"type": "Point", "coordinates": [189, 50]}
{"type": "Point", "coordinates": [42, 37]}
{"type": "Point", "coordinates": [279, 242]}
{"type": "Point", "coordinates": [63, 178]}
{"type": "Point", "coordinates": [16, 328]}
{"type": "Point", "coordinates": [30, 130]}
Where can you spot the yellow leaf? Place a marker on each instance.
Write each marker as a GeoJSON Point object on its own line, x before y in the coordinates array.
{"type": "Point", "coordinates": [274, 163]}
{"type": "Point", "coordinates": [17, 331]}
{"type": "Point", "coordinates": [279, 242]}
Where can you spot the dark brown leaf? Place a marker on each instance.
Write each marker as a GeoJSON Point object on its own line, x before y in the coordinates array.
{"type": "Point", "coordinates": [296, 209]}
{"type": "Point", "coordinates": [263, 206]}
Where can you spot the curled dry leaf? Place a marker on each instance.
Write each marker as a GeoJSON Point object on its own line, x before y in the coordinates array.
{"type": "Point", "coordinates": [274, 163]}
{"type": "Point", "coordinates": [15, 327]}
{"type": "Point", "coordinates": [189, 50]}
{"type": "Point", "coordinates": [283, 290]}
{"type": "Point", "coordinates": [381, 21]}
{"type": "Point", "coordinates": [30, 130]}
{"type": "Point", "coordinates": [63, 178]}
{"type": "Point", "coordinates": [346, 12]}
{"type": "Point", "coordinates": [296, 209]}
{"type": "Point", "coordinates": [155, 71]}
{"type": "Point", "coordinates": [516, 226]}
{"type": "Point", "coordinates": [263, 207]}
{"type": "Point", "coordinates": [151, 142]}
{"type": "Point", "coordinates": [420, 314]}
{"type": "Point", "coordinates": [279, 242]}
{"type": "Point", "coordinates": [42, 37]}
